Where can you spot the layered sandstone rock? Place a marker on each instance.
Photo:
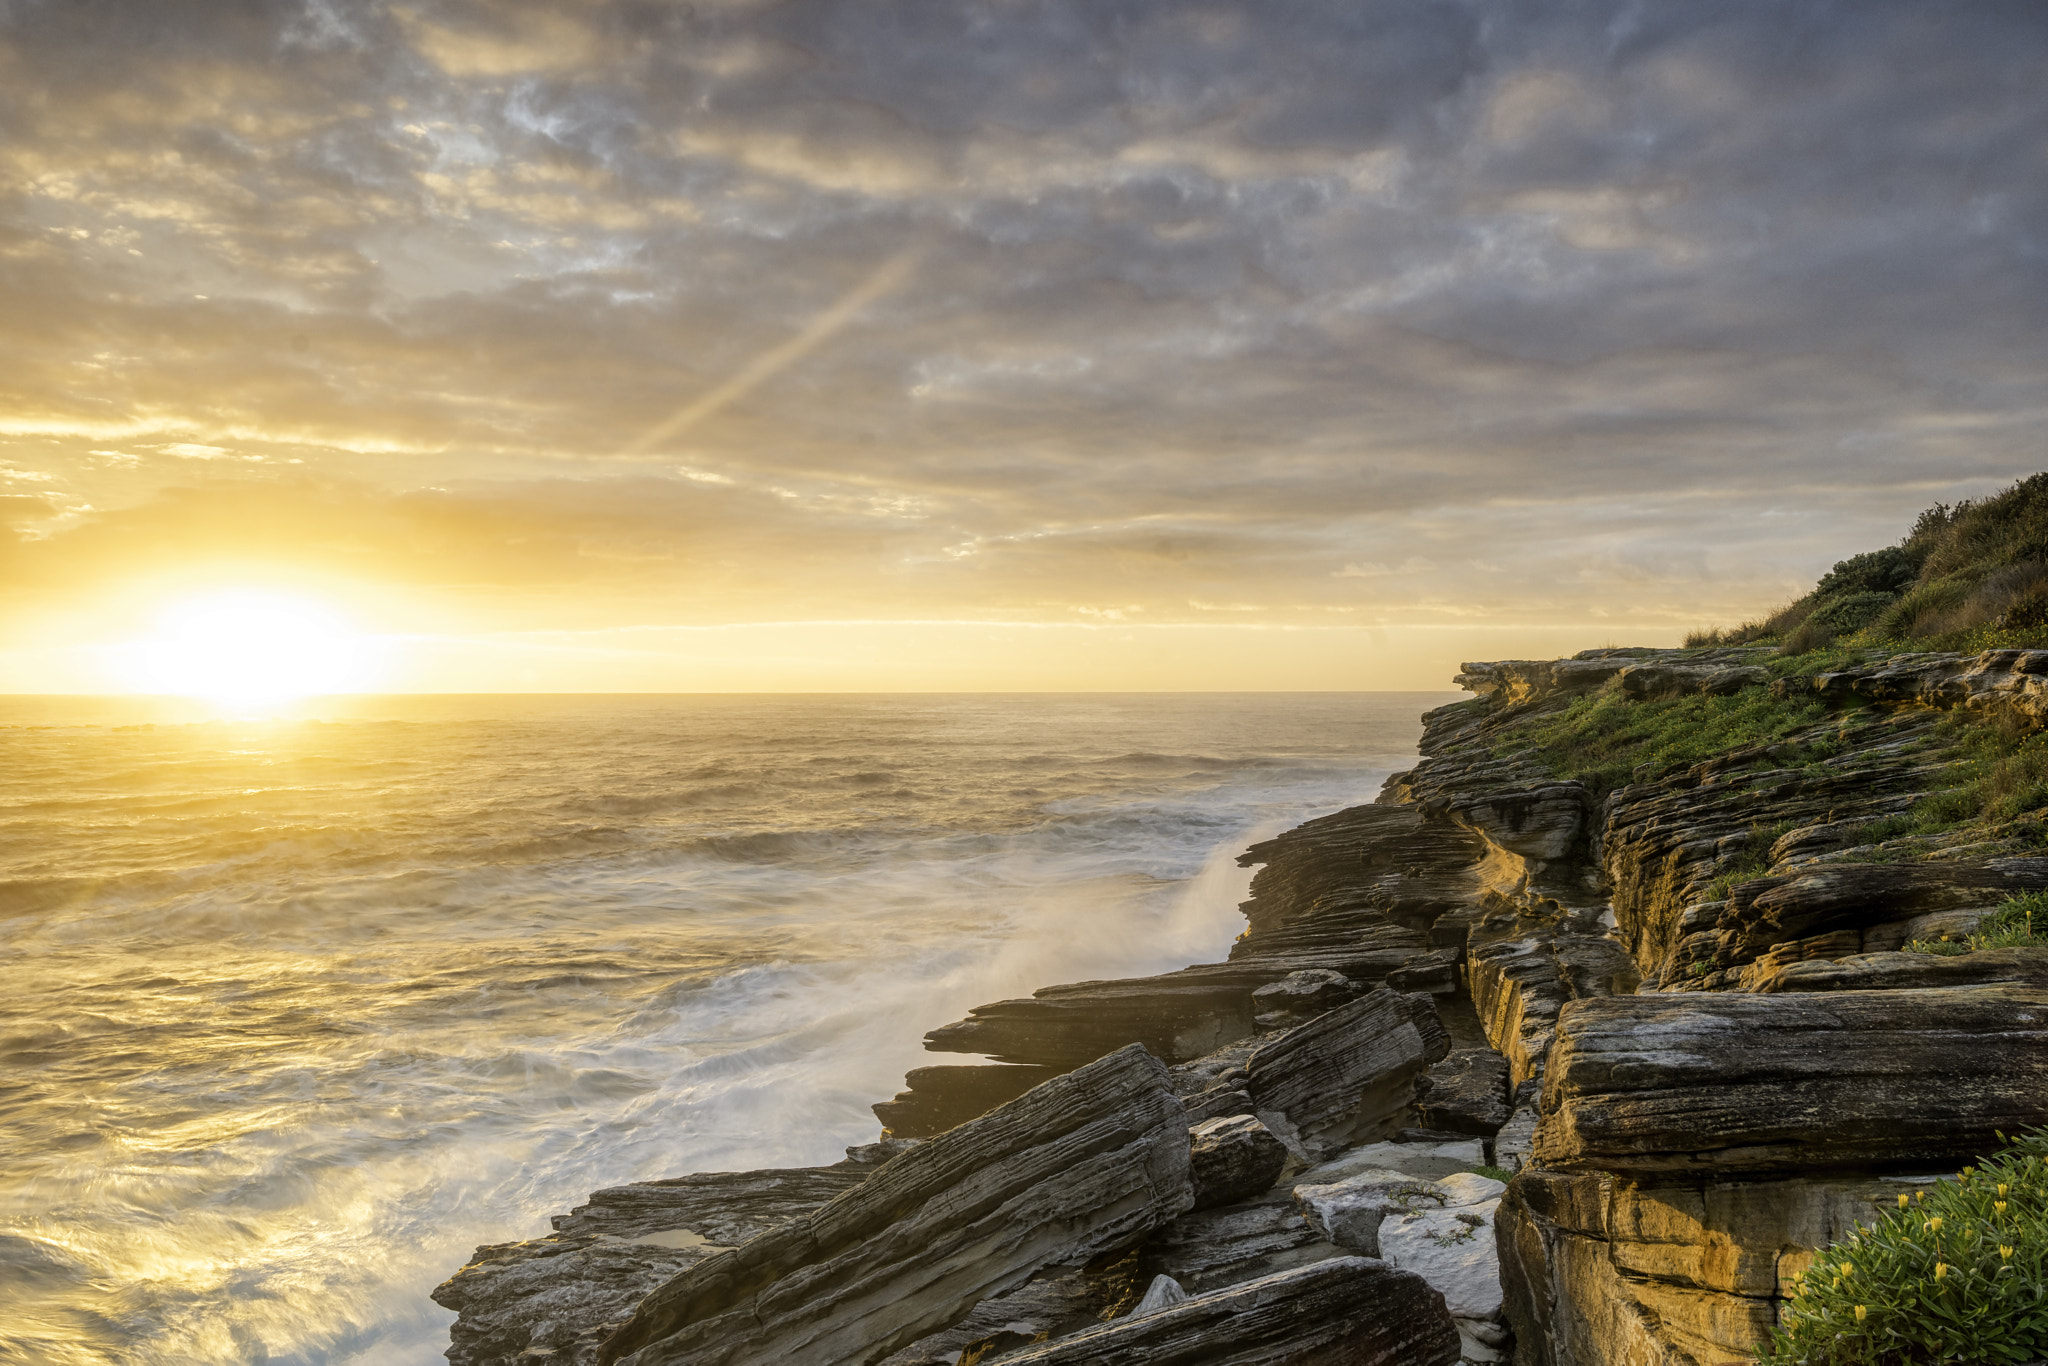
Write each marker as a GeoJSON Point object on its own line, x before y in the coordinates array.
{"type": "Point", "coordinates": [1742, 1083]}
{"type": "Point", "coordinates": [1080, 1165]}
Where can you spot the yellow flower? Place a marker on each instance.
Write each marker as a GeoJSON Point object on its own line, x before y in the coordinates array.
{"type": "Point", "coordinates": [1902, 1199]}
{"type": "Point", "coordinates": [1848, 1269]}
{"type": "Point", "coordinates": [1934, 1224]}
{"type": "Point", "coordinates": [2004, 1252]}
{"type": "Point", "coordinates": [1940, 1270]}
{"type": "Point", "coordinates": [1860, 1312]}
{"type": "Point", "coordinates": [2002, 1190]}
{"type": "Point", "coordinates": [1967, 1171]}
{"type": "Point", "coordinates": [1920, 1196]}
{"type": "Point", "coordinates": [1998, 1206]}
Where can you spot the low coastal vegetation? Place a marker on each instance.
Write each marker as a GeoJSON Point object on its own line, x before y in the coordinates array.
{"type": "Point", "coordinates": [1969, 576]}
{"type": "Point", "coordinates": [1954, 1273]}
{"type": "Point", "coordinates": [2011, 926]}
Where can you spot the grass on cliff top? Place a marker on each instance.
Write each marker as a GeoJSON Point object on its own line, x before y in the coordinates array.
{"type": "Point", "coordinates": [1956, 1272]}
{"type": "Point", "coordinates": [1603, 737]}
{"type": "Point", "coordinates": [2001, 773]}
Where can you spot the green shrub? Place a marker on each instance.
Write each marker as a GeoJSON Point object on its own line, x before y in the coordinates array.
{"type": "Point", "coordinates": [1957, 1272]}
{"type": "Point", "coordinates": [1969, 567]}
{"type": "Point", "coordinates": [1850, 612]}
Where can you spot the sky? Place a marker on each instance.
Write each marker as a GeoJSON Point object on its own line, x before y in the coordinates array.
{"type": "Point", "coordinates": [635, 345]}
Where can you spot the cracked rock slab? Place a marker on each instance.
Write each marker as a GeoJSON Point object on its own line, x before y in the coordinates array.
{"type": "Point", "coordinates": [1085, 1163]}
{"type": "Point", "coordinates": [1347, 1311]}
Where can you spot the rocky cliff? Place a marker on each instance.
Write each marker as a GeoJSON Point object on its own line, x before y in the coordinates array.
{"type": "Point", "coordinates": [1632, 932]}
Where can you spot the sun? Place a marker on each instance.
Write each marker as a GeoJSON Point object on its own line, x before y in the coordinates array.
{"type": "Point", "coordinates": [244, 647]}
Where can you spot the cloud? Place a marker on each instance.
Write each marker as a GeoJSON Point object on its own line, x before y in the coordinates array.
{"type": "Point", "coordinates": [1284, 304]}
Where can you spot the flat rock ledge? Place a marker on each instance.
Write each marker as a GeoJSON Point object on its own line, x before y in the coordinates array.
{"type": "Point", "coordinates": [1742, 1083]}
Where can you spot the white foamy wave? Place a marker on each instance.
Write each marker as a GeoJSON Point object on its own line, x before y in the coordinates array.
{"type": "Point", "coordinates": [308, 1011]}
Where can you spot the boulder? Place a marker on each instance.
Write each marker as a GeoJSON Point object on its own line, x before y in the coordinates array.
{"type": "Point", "coordinates": [1086, 1162]}
{"type": "Point", "coordinates": [1466, 1093]}
{"type": "Point", "coordinates": [1736, 1082]}
{"type": "Point", "coordinates": [937, 1098]}
{"type": "Point", "coordinates": [1349, 1212]}
{"type": "Point", "coordinates": [1231, 1158]}
{"type": "Point", "coordinates": [1347, 1075]}
{"type": "Point", "coordinates": [1163, 1293]}
{"type": "Point", "coordinates": [1348, 1311]}
{"type": "Point", "coordinates": [1453, 1249]}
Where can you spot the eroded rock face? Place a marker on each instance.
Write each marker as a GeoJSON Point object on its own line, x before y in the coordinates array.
{"type": "Point", "coordinates": [1894, 971]}
{"type": "Point", "coordinates": [1735, 1082]}
{"type": "Point", "coordinates": [1085, 1162]}
{"type": "Point", "coordinates": [2010, 681]}
{"type": "Point", "coordinates": [1604, 1270]}
{"type": "Point", "coordinates": [1347, 1311]}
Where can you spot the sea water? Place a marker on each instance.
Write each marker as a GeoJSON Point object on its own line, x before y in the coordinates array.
{"type": "Point", "coordinates": [299, 1010]}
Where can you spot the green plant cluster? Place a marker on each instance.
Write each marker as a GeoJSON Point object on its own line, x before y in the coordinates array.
{"type": "Point", "coordinates": [2011, 926]}
{"type": "Point", "coordinates": [1968, 576]}
{"type": "Point", "coordinates": [1957, 1272]}
{"type": "Point", "coordinates": [1603, 737]}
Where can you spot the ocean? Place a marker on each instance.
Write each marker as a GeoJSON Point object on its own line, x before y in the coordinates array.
{"type": "Point", "coordinates": [300, 1010]}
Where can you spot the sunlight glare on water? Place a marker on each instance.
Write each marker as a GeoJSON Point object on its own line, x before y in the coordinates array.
{"type": "Point", "coordinates": [300, 1012]}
